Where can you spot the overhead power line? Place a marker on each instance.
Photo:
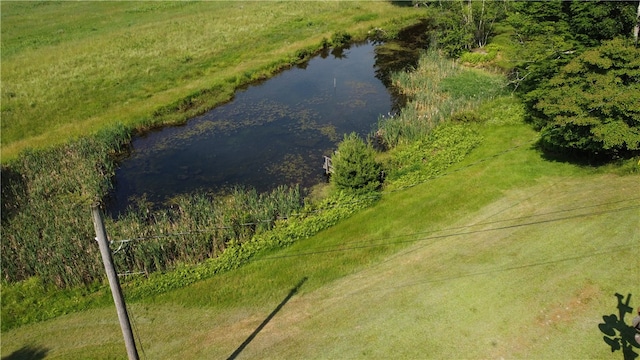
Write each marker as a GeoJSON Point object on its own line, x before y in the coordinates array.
{"type": "Point", "coordinates": [385, 241]}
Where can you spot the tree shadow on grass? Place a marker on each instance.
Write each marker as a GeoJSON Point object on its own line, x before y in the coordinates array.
{"type": "Point", "coordinates": [242, 346]}
{"type": "Point", "coordinates": [619, 335]}
{"type": "Point", "coordinates": [28, 352]}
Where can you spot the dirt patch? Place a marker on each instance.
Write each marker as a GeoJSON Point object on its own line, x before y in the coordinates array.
{"type": "Point", "coordinates": [569, 310]}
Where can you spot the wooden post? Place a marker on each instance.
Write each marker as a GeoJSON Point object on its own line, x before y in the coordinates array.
{"type": "Point", "coordinates": [327, 166]}
{"type": "Point", "coordinates": [114, 283]}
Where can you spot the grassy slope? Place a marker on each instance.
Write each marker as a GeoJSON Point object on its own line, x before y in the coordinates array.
{"type": "Point", "coordinates": [506, 255]}
{"type": "Point", "coordinates": [70, 68]}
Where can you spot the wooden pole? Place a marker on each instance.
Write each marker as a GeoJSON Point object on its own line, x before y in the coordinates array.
{"type": "Point", "coordinates": [114, 283]}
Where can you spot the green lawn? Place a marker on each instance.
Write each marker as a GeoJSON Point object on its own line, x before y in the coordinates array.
{"type": "Point", "coordinates": [506, 255]}
{"type": "Point", "coordinates": [71, 68]}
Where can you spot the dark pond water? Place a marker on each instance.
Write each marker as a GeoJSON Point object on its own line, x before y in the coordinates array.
{"type": "Point", "coordinates": [272, 133]}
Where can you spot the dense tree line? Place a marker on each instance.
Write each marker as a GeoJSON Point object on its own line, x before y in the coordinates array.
{"type": "Point", "coordinates": [575, 63]}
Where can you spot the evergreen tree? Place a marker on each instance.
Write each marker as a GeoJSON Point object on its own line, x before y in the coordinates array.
{"type": "Point", "coordinates": [354, 166]}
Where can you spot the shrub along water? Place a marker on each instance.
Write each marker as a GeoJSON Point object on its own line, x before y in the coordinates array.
{"type": "Point", "coordinates": [354, 166]}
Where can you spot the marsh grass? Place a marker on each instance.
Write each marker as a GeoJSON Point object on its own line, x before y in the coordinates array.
{"type": "Point", "coordinates": [436, 90]}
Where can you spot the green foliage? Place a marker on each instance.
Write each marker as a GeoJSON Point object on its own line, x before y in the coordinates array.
{"type": "Point", "coordinates": [596, 21]}
{"type": "Point", "coordinates": [46, 230]}
{"type": "Point", "coordinates": [591, 106]}
{"type": "Point", "coordinates": [340, 38]}
{"type": "Point", "coordinates": [311, 220]}
{"type": "Point", "coordinates": [547, 35]}
{"type": "Point", "coordinates": [452, 90]}
{"type": "Point", "coordinates": [354, 166]}
{"type": "Point", "coordinates": [429, 157]}
{"type": "Point", "coordinates": [464, 25]}
{"type": "Point", "coordinates": [197, 227]}
{"type": "Point", "coordinates": [467, 116]}
{"type": "Point", "coordinates": [489, 53]}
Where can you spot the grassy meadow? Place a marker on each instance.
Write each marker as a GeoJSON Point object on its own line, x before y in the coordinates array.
{"type": "Point", "coordinates": [70, 69]}
{"type": "Point", "coordinates": [504, 255]}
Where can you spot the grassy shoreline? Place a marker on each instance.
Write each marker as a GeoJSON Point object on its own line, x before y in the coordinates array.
{"type": "Point", "coordinates": [148, 64]}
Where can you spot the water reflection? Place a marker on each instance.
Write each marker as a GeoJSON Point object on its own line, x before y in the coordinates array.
{"type": "Point", "coordinates": [272, 133]}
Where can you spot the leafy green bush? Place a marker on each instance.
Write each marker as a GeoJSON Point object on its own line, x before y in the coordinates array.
{"type": "Point", "coordinates": [354, 166]}
{"type": "Point", "coordinates": [340, 38]}
{"type": "Point", "coordinates": [479, 57]}
{"type": "Point", "coordinates": [467, 116]}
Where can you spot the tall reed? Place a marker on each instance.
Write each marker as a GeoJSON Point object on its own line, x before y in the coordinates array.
{"type": "Point", "coordinates": [196, 227]}
{"type": "Point", "coordinates": [46, 194]}
{"type": "Point", "coordinates": [47, 229]}
{"type": "Point", "coordinates": [436, 89]}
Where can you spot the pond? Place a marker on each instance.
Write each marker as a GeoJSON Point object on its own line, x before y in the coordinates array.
{"type": "Point", "coordinates": [271, 133]}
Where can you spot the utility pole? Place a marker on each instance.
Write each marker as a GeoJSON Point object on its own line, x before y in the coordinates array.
{"type": "Point", "coordinates": [114, 283]}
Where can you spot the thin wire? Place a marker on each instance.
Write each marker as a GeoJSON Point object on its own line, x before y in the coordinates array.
{"type": "Point", "coordinates": [360, 200]}
{"type": "Point", "coordinates": [131, 273]}
{"type": "Point", "coordinates": [384, 242]}
{"type": "Point", "coordinates": [494, 222]}
{"type": "Point", "coordinates": [136, 331]}
{"type": "Point", "coordinates": [605, 251]}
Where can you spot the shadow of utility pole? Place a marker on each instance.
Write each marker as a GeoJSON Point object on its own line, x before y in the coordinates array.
{"type": "Point", "coordinates": [619, 335]}
{"type": "Point", "coordinates": [28, 352]}
{"type": "Point", "coordinates": [266, 321]}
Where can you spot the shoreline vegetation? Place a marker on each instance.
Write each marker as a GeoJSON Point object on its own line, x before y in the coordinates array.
{"type": "Point", "coordinates": [200, 236]}
{"type": "Point", "coordinates": [453, 150]}
{"type": "Point", "coordinates": [48, 188]}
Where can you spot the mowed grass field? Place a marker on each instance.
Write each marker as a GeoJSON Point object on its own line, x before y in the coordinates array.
{"type": "Point", "coordinates": [72, 68]}
{"type": "Point", "coordinates": [507, 255]}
